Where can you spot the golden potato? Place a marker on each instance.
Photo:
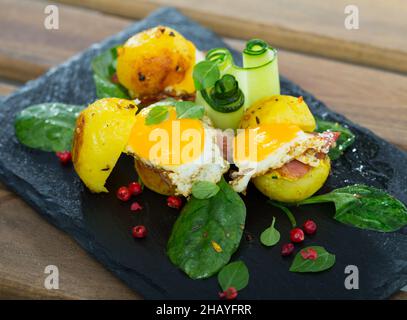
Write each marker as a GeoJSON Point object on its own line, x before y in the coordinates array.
{"type": "Point", "coordinates": [279, 109]}
{"type": "Point", "coordinates": [154, 179]}
{"type": "Point", "coordinates": [102, 131]}
{"type": "Point", "coordinates": [293, 190]}
{"type": "Point", "coordinates": [155, 61]}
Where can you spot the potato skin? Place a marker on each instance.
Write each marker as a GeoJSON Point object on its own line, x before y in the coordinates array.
{"type": "Point", "coordinates": [155, 59]}
{"type": "Point", "coordinates": [279, 109]}
{"type": "Point", "coordinates": [289, 191]}
{"type": "Point", "coordinates": [101, 133]}
{"type": "Point", "coordinates": [155, 179]}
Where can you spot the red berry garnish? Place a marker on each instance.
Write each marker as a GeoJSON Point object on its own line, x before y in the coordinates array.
{"type": "Point", "coordinates": [139, 231]}
{"type": "Point", "coordinates": [135, 188]}
{"type": "Point", "coordinates": [135, 206]}
{"type": "Point", "coordinates": [228, 294]}
{"type": "Point", "coordinates": [296, 235]}
{"type": "Point", "coordinates": [123, 194]}
{"type": "Point", "coordinates": [64, 157]}
{"type": "Point", "coordinates": [287, 249]}
{"type": "Point", "coordinates": [310, 227]}
{"type": "Point", "coordinates": [174, 202]}
{"type": "Point", "coordinates": [309, 253]}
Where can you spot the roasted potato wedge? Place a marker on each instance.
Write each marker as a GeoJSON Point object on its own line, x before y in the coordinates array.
{"type": "Point", "coordinates": [101, 133]}
{"type": "Point", "coordinates": [155, 61]}
{"type": "Point", "coordinates": [279, 109]}
{"type": "Point", "coordinates": [293, 190]}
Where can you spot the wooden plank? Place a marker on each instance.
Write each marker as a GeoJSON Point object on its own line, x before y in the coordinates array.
{"type": "Point", "coordinates": [26, 249]}
{"type": "Point", "coordinates": [6, 88]}
{"type": "Point", "coordinates": [24, 22]}
{"type": "Point", "coordinates": [308, 26]}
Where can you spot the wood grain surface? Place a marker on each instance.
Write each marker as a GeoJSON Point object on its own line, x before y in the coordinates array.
{"type": "Point", "coordinates": [308, 26]}
{"type": "Point", "coordinates": [374, 98]}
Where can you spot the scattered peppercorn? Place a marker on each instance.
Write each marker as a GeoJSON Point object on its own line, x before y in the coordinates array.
{"type": "Point", "coordinates": [228, 294]}
{"type": "Point", "coordinates": [135, 188]}
{"type": "Point", "coordinates": [139, 231]}
{"type": "Point", "coordinates": [114, 78]}
{"type": "Point", "coordinates": [174, 202]}
{"type": "Point", "coordinates": [64, 157]}
{"type": "Point", "coordinates": [287, 249]}
{"type": "Point", "coordinates": [135, 206]}
{"type": "Point", "coordinates": [123, 194]}
{"type": "Point", "coordinates": [310, 227]}
{"type": "Point", "coordinates": [296, 235]}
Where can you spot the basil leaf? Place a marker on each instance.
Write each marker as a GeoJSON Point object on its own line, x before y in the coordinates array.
{"type": "Point", "coordinates": [188, 109]}
{"type": "Point", "coordinates": [47, 126]}
{"type": "Point", "coordinates": [235, 274]}
{"type": "Point", "coordinates": [365, 207]}
{"type": "Point", "coordinates": [204, 189]}
{"type": "Point", "coordinates": [346, 138]}
{"type": "Point", "coordinates": [104, 67]}
{"type": "Point", "coordinates": [207, 233]}
{"type": "Point", "coordinates": [157, 115]}
{"type": "Point", "coordinates": [205, 74]}
{"type": "Point", "coordinates": [270, 236]}
{"type": "Point", "coordinates": [324, 261]}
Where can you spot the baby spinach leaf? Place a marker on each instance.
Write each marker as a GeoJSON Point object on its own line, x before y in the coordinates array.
{"type": "Point", "coordinates": [104, 67]}
{"type": "Point", "coordinates": [235, 275]}
{"type": "Point", "coordinates": [204, 189]}
{"type": "Point", "coordinates": [157, 115]}
{"type": "Point", "coordinates": [324, 261]}
{"type": "Point", "coordinates": [205, 74]}
{"type": "Point", "coordinates": [188, 109]}
{"type": "Point", "coordinates": [346, 138]}
{"type": "Point", "coordinates": [270, 236]}
{"type": "Point", "coordinates": [207, 232]}
{"type": "Point", "coordinates": [47, 126]}
{"type": "Point", "coordinates": [365, 207]}
{"type": "Point", "coordinates": [289, 214]}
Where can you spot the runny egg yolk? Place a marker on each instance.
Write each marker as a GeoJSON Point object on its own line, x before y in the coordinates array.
{"type": "Point", "coordinates": [256, 144]}
{"type": "Point", "coordinates": [172, 142]}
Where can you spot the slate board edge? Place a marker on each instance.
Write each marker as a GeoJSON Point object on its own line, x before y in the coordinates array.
{"type": "Point", "coordinates": [83, 239]}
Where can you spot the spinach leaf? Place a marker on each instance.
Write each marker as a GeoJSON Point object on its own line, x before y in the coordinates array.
{"type": "Point", "coordinates": [270, 236]}
{"type": "Point", "coordinates": [104, 67]}
{"type": "Point", "coordinates": [365, 207]}
{"type": "Point", "coordinates": [207, 233]}
{"type": "Point", "coordinates": [204, 189]}
{"type": "Point", "coordinates": [289, 214]}
{"type": "Point", "coordinates": [188, 109]}
{"type": "Point", "coordinates": [205, 74]}
{"type": "Point", "coordinates": [47, 126]}
{"type": "Point", "coordinates": [346, 138]}
{"type": "Point", "coordinates": [324, 261]}
{"type": "Point", "coordinates": [235, 275]}
{"type": "Point", "coordinates": [157, 115]}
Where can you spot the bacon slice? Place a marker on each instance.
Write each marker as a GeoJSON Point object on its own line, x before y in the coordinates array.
{"type": "Point", "coordinates": [294, 169]}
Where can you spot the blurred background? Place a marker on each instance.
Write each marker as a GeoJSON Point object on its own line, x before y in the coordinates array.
{"type": "Point", "coordinates": [350, 54]}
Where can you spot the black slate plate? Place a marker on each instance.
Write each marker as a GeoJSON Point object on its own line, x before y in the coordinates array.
{"type": "Point", "coordinates": [101, 224]}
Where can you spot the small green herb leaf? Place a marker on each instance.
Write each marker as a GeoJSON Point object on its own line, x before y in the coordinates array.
{"type": "Point", "coordinates": [286, 211]}
{"type": "Point", "coordinates": [324, 261]}
{"type": "Point", "coordinates": [270, 236]}
{"type": "Point", "coordinates": [47, 126]}
{"type": "Point", "coordinates": [202, 223]}
{"type": "Point", "coordinates": [344, 141]}
{"type": "Point", "coordinates": [104, 67]}
{"type": "Point", "coordinates": [205, 74]}
{"type": "Point", "coordinates": [235, 274]}
{"type": "Point", "coordinates": [157, 115]}
{"type": "Point", "coordinates": [204, 189]}
{"type": "Point", "coordinates": [188, 109]}
{"type": "Point", "coordinates": [365, 207]}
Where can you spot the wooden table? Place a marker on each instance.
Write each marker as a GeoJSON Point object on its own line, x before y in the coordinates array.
{"type": "Point", "coordinates": [374, 97]}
